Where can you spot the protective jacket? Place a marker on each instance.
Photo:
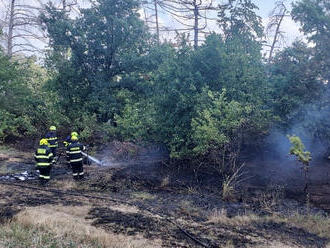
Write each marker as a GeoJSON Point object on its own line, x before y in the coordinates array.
{"type": "Point", "coordinates": [74, 150]}
{"type": "Point", "coordinates": [43, 156]}
{"type": "Point", "coordinates": [52, 139]}
{"type": "Point", "coordinates": [67, 141]}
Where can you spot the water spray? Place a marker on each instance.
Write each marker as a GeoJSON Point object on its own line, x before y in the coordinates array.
{"type": "Point", "coordinates": [96, 161]}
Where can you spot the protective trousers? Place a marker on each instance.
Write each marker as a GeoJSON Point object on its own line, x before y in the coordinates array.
{"type": "Point", "coordinates": [77, 170]}
{"type": "Point", "coordinates": [44, 176]}
{"type": "Point", "coordinates": [53, 149]}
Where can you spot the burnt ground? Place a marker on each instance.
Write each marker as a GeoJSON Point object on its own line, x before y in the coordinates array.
{"type": "Point", "coordinates": [160, 194]}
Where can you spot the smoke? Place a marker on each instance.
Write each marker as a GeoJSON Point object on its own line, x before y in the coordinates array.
{"type": "Point", "coordinates": [312, 124]}
{"type": "Point", "coordinates": [123, 154]}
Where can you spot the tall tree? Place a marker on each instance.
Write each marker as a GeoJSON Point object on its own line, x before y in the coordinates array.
{"type": "Point", "coordinates": [274, 27]}
{"type": "Point", "coordinates": [314, 16]}
{"type": "Point", "coordinates": [151, 16]}
{"type": "Point", "coordinates": [191, 15]}
{"type": "Point", "coordinates": [22, 31]}
{"type": "Point", "coordinates": [22, 27]}
{"type": "Point", "coordinates": [239, 18]}
{"type": "Point", "coordinates": [93, 53]}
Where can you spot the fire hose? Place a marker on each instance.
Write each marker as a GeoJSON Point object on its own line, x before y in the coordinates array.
{"type": "Point", "coordinates": [89, 157]}
{"type": "Point", "coordinates": [61, 153]}
{"type": "Point", "coordinates": [166, 218]}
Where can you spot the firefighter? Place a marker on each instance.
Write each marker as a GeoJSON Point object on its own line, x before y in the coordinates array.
{"type": "Point", "coordinates": [67, 141]}
{"type": "Point", "coordinates": [75, 157]}
{"type": "Point", "coordinates": [52, 140]}
{"type": "Point", "coordinates": [44, 158]}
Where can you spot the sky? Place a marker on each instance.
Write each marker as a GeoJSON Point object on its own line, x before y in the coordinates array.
{"type": "Point", "coordinates": [265, 6]}
{"type": "Point", "coordinates": [291, 28]}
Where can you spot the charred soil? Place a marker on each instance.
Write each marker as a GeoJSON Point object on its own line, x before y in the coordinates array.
{"type": "Point", "coordinates": [148, 198]}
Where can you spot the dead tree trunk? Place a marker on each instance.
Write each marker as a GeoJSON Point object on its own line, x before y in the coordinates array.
{"type": "Point", "coordinates": [276, 19]}
{"type": "Point", "coordinates": [196, 27]}
{"type": "Point", "coordinates": [156, 16]}
{"type": "Point", "coordinates": [11, 29]}
{"type": "Point", "coordinates": [277, 32]}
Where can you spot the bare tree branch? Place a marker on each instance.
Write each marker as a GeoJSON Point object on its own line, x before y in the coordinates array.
{"type": "Point", "coordinates": [276, 19]}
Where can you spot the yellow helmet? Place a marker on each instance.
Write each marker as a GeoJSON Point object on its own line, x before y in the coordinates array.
{"type": "Point", "coordinates": [74, 134]}
{"type": "Point", "coordinates": [43, 142]}
{"type": "Point", "coordinates": [74, 138]}
{"type": "Point", "coordinates": [52, 128]}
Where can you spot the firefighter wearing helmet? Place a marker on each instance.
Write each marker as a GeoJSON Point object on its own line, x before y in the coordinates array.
{"type": "Point", "coordinates": [76, 158]}
{"type": "Point", "coordinates": [67, 141]}
{"type": "Point", "coordinates": [44, 159]}
{"type": "Point", "coordinates": [52, 139]}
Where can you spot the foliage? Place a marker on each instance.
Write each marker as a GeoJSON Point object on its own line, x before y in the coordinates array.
{"type": "Point", "coordinates": [295, 83]}
{"type": "Point", "coordinates": [298, 150]}
{"type": "Point", "coordinates": [300, 75]}
{"type": "Point", "coordinates": [95, 55]}
{"type": "Point", "coordinates": [238, 18]}
{"type": "Point", "coordinates": [23, 104]}
{"type": "Point", "coordinates": [214, 125]}
{"type": "Point", "coordinates": [107, 78]}
{"type": "Point", "coordinates": [314, 17]}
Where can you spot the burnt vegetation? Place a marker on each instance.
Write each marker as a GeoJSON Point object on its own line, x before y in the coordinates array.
{"type": "Point", "coordinates": [194, 128]}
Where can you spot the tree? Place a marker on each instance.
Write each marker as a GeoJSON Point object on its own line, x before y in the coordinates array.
{"type": "Point", "coordinates": [191, 15]}
{"type": "Point", "coordinates": [277, 16]}
{"type": "Point", "coordinates": [308, 69]}
{"type": "Point", "coordinates": [22, 31]}
{"type": "Point", "coordinates": [238, 18]}
{"type": "Point", "coordinates": [304, 157]}
{"type": "Point", "coordinates": [294, 82]}
{"type": "Point", "coordinates": [96, 54]}
{"type": "Point", "coordinates": [22, 27]}
{"type": "Point", "coordinates": [202, 121]}
{"type": "Point", "coordinates": [150, 10]}
{"type": "Point", "coordinates": [315, 20]}
{"type": "Point", "coordinates": [25, 108]}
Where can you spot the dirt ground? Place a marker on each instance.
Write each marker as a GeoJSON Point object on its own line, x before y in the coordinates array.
{"type": "Point", "coordinates": [149, 200]}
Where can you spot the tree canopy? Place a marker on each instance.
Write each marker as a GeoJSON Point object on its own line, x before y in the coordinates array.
{"type": "Point", "coordinates": [106, 75]}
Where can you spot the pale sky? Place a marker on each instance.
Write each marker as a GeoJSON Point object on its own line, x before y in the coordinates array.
{"type": "Point", "coordinates": [290, 28]}
{"type": "Point", "coordinates": [265, 6]}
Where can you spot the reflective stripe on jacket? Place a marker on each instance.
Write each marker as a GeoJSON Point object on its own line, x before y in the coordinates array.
{"type": "Point", "coordinates": [67, 141]}
{"type": "Point", "coordinates": [43, 156]}
{"type": "Point", "coordinates": [52, 139]}
{"type": "Point", "coordinates": [73, 152]}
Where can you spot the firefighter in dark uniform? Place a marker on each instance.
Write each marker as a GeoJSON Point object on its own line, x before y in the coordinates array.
{"type": "Point", "coordinates": [76, 158]}
{"type": "Point", "coordinates": [44, 159]}
{"type": "Point", "coordinates": [66, 143]}
{"type": "Point", "coordinates": [51, 137]}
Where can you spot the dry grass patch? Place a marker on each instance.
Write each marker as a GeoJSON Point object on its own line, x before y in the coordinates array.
{"type": "Point", "coordinates": [67, 184]}
{"type": "Point", "coordinates": [314, 223]}
{"type": "Point", "coordinates": [4, 168]}
{"type": "Point", "coordinates": [165, 181]}
{"type": "Point", "coordinates": [143, 195]}
{"type": "Point", "coordinates": [125, 208]}
{"type": "Point", "coordinates": [187, 208]}
{"type": "Point", "coordinates": [14, 155]}
{"type": "Point", "coordinates": [220, 216]}
{"type": "Point", "coordinates": [67, 222]}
